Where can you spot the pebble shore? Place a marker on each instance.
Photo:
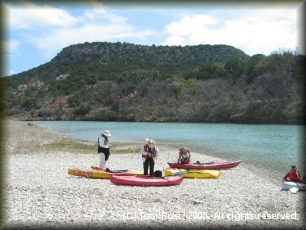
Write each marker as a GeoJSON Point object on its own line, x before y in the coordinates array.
{"type": "Point", "coordinates": [42, 195]}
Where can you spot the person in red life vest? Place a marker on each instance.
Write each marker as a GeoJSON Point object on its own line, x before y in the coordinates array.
{"type": "Point", "coordinates": [149, 152]}
{"type": "Point", "coordinates": [103, 148]}
{"type": "Point", "coordinates": [184, 155]}
{"type": "Point", "coordinates": [293, 175]}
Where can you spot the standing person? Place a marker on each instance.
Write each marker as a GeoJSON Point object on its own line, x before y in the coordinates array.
{"type": "Point", "coordinates": [184, 155]}
{"type": "Point", "coordinates": [149, 153]}
{"type": "Point", "coordinates": [103, 148]}
{"type": "Point", "coordinates": [293, 175]}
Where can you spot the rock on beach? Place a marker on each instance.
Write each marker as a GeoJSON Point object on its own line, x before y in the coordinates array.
{"type": "Point", "coordinates": [40, 194]}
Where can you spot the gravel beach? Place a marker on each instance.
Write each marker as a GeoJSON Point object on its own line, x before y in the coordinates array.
{"type": "Point", "coordinates": [42, 195]}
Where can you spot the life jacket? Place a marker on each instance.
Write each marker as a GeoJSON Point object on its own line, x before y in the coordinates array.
{"type": "Point", "coordinates": [103, 144]}
{"type": "Point", "coordinates": [148, 150]}
{"type": "Point", "coordinates": [293, 174]}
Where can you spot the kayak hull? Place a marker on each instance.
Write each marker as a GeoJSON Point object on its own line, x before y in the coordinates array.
{"type": "Point", "coordinates": [210, 165]}
{"type": "Point", "coordinates": [194, 173]}
{"type": "Point", "coordinates": [286, 185]}
{"type": "Point", "coordinates": [102, 174]}
{"type": "Point", "coordinates": [146, 180]}
{"type": "Point", "coordinates": [96, 168]}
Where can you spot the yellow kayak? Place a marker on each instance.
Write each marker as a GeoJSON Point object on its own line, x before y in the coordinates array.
{"type": "Point", "coordinates": [194, 173]}
{"type": "Point", "coordinates": [101, 174]}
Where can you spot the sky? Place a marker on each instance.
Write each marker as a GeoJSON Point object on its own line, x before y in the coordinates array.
{"type": "Point", "coordinates": [34, 32]}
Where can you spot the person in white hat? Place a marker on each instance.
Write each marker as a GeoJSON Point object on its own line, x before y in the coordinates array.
{"type": "Point", "coordinates": [149, 152]}
{"type": "Point", "coordinates": [103, 148]}
{"type": "Point", "coordinates": [184, 155]}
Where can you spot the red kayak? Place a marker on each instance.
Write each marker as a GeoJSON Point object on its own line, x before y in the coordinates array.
{"type": "Point", "coordinates": [146, 180]}
{"type": "Point", "coordinates": [209, 165]}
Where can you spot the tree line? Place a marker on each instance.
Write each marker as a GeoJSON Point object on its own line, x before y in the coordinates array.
{"type": "Point", "coordinates": [228, 86]}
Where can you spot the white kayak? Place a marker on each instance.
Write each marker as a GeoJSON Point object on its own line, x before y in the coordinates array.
{"type": "Point", "coordinates": [286, 185]}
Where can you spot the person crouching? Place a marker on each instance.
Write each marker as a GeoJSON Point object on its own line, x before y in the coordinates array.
{"type": "Point", "coordinates": [184, 155]}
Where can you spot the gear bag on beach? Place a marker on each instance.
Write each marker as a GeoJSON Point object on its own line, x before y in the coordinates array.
{"type": "Point", "coordinates": [158, 173]}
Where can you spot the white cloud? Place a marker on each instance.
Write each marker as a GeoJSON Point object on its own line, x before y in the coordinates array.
{"type": "Point", "coordinates": [177, 40]}
{"type": "Point", "coordinates": [58, 29]}
{"type": "Point", "coordinates": [253, 32]}
{"type": "Point", "coordinates": [90, 15]}
{"type": "Point", "coordinates": [30, 16]}
{"type": "Point", "coordinates": [56, 40]}
{"type": "Point", "coordinates": [98, 16]}
{"type": "Point", "coordinates": [190, 25]}
{"type": "Point", "coordinates": [97, 12]}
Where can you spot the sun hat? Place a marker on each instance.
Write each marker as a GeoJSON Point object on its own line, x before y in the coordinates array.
{"type": "Point", "coordinates": [150, 142]}
{"type": "Point", "coordinates": [106, 133]}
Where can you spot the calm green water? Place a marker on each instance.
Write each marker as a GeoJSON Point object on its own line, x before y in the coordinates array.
{"type": "Point", "coordinates": [272, 147]}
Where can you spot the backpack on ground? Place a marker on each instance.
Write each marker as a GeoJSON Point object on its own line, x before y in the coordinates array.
{"type": "Point", "coordinates": [158, 173]}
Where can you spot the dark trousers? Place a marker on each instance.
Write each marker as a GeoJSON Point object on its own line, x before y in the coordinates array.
{"type": "Point", "coordinates": [148, 161]}
{"type": "Point", "coordinates": [105, 151]}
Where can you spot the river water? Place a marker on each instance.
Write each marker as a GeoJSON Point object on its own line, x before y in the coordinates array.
{"type": "Point", "coordinates": [272, 147]}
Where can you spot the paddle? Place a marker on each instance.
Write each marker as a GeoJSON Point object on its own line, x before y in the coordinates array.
{"type": "Point", "coordinates": [207, 163]}
{"type": "Point", "coordinates": [181, 173]}
{"type": "Point", "coordinates": [214, 173]}
{"type": "Point", "coordinates": [174, 174]}
{"type": "Point", "coordinates": [116, 171]}
{"type": "Point", "coordinates": [203, 171]}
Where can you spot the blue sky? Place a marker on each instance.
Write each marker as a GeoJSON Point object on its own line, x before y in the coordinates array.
{"type": "Point", "coordinates": [35, 31]}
